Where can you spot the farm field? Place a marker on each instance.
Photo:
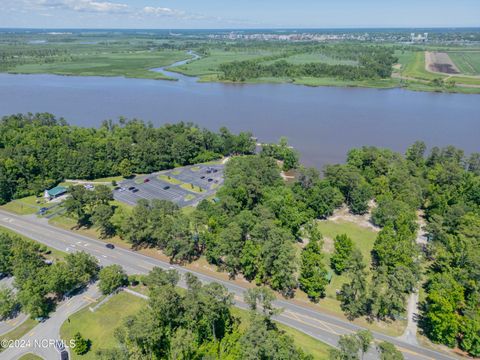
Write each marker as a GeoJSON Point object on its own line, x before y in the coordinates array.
{"type": "Point", "coordinates": [129, 64]}
{"type": "Point", "coordinates": [467, 61]}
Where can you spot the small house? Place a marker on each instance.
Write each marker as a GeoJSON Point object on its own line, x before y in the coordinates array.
{"type": "Point", "coordinates": [55, 192]}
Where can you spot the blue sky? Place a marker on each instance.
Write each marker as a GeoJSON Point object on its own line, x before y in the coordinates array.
{"type": "Point", "coordinates": [170, 14]}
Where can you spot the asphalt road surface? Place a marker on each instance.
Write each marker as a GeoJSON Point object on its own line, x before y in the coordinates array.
{"type": "Point", "coordinates": [321, 326]}
{"type": "Point", "coordinates": [40, 340]}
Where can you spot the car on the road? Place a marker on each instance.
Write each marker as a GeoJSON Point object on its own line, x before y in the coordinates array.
{"type": "Point", "coordinates": [59, 345]}
{"type": "Point", "coordinates": [110, 246]}
{"type": "Point", "coordinates": [166, 187]}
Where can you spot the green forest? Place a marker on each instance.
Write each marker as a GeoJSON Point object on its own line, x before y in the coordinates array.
{"type": "Point", "coordinates": [265, 228]}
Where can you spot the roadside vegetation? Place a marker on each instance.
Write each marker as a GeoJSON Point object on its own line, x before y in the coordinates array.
{"type": "Point", "coordinates": [194, 323]}
{"type": "Point", "coordinates": [40, 284]}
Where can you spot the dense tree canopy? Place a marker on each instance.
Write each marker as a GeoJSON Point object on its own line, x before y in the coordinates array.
{"type": "Point", "coordinates": [38, 151]}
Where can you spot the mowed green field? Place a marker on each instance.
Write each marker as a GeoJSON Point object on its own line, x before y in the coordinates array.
{"type": "Point", "coordinates": [468, 62]}
{"type": "Point", "coordinates": [127, 64]}
{"type": "Point", "coordinates": [363, 238]}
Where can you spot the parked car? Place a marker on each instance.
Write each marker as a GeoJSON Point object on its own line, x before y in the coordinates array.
{"type": "Point", "coordinates": [131, 188]}
{"type": "Point", "coordinates": [210, 180]}
{"type": "Point", "coordinates": [110, 246]}
{"type": "Point", "coordinates": [146, 180]}
{"type": "Point", "coordinates": [135, 190]}
{"type": "Point", "coordinates": [166, 187]}
{"type": "Point", "coordinates": [59, 345]}
{"type": "Point", "coordinates": [202, 177]}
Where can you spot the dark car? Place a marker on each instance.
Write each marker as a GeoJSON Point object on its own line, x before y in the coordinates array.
{"type": "Point", "coordinates": [166, 187]}
{"type": "Point", "coordinates": [146, 180]}
{"type": "Point", "coordinates": [202, 177]}
{"type": "Point", "coordinates": [214, 170]}
{"type": "Point", "coordinates": [43, 209]}
{"type": "Point", "coordinates": [135, 190]}
{"type": "Point", "coordinates": [209, 171]}
{"type": "Point", "coordinates": [110, 246]}
{"type": "Point", "coordinates": [131, 188]}
{"type": "Point", "coordinates": [210, 180]}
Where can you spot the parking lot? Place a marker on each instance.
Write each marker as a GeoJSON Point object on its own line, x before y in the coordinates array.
{"type": "Point", "coordinates": [174, 185]}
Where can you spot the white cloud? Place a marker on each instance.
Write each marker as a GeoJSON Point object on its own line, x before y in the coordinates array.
{"type": "Point", "coordinates": [162, 11]}
{"type": "Point", "coordinates": [84, 5]}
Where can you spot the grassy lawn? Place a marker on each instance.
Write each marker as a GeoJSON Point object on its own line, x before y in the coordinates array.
{"type": "Point", "coordinates": [30, 357]}
{"type": "Point", "coordinates": [128, 64]}
{"type": "Point", "coordinates": [170, 179]}
{"type": "Point", "coordinates": [99, 326]}
{"type": "Point", "coordinates": [363, 238]}
{"type": "Point", "coordinates": [19, 331]}
{"type": "Point", "coordinates": [24, 206]}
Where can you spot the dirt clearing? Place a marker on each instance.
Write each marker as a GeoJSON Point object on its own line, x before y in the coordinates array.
{"type": "Point", "coordinates": [440, 62]}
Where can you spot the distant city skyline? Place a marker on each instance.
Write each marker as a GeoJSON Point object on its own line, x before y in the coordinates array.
{"type": "Point", "coordinates": [218, 14]}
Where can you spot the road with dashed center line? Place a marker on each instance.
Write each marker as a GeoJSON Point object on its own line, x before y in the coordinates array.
{"type": "Point", "coordinates": [321, 326]}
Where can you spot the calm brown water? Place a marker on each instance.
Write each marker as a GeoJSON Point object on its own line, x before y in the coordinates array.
{"type": "Point", "coordinates": [323, 123]}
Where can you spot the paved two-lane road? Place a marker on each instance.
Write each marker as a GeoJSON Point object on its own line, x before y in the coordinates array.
{"type": "Point", "coordinates": [321, 326]}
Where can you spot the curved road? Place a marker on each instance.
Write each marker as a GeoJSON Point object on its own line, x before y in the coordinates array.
{"type": "Point", "coordinates": [321, 326]}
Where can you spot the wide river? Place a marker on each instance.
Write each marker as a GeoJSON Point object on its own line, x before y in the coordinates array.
{"type": "Point", "coordinates": [322, 123]}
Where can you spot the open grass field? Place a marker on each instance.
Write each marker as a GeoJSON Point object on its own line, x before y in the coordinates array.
{"type": "Point", "coordinates": [127, 64]}
{"type": "Point", "coordinates": [99, 326]}
{"type": "Point", "coordinates": [363, 238]}
{"type": "Point", "coordinates": [468, 62]}
{"type": "Point", "coordinates": [24, 206]}
{"type": "Point", "coordinates": [208, 65]}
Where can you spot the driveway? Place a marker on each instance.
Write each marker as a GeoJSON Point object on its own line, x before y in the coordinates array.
{"type": "Point", "coordinates": [40, 339]}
